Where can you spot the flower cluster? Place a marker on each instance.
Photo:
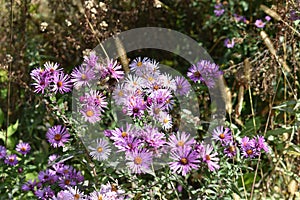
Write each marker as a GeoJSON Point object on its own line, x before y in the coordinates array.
{"type": "Point", "coordinates": [93, 102]}
{"type": "Point", "coordinates": [259, 22]}
{"type": "Point", "coordinates": [107, 191]}
{"type": "Point", "coordinates": [59, 175]}
{"type": "Point", "coordinates": [219, 9]}
{"type": "Point", "coordinates": [252, 148]}
{"type": "Point", "coordinates": [51, 79]}
{"type": "Point", "coordinates": [205, 71]}
{"type": "Point", "coordinates": [12, 160]}
{"type": "Point", "coordinates": [248, 148]}
{"type": "Point", "coordinates": [149, 93]}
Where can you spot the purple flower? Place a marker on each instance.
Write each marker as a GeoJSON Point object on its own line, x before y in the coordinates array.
{"type": "Point", "coordinates": [229, 43]}
{"type": "Point", "coordinates": [182, 86]}
{"type": "Point", "coordinates": [210, 158]}
{"type": "Point", "coordinates": [268, 18]}
{"type": "Point", "coordinates": [114, 69]}
{"type": "Point", "coordinates": [29, 185]}
{"type": "Point", "coordinates": [139, 161]}
{"type": "Point", "coordinates": [41, 83]}
{"type": "Point", "coordinates": [97, 99]}
{"type": "Point", "coordinates": [46, 193]}
{"type": "Point", "coordinates": [91, 114]}
{"type": "Point", "coordinates": [152, 137]}
{"type": "Point", "coordinates": [52, 158]}
{"type": "Point", "coordinates": [261, 144]}
{"type": "Point", "coordinates": [230, 150]}
{"type": "Point", "coordinates": [100, 150]}
{"type": "Point", "coordinates": [61, 83]}
{"type": "Point", "coordinates": [206, 72]}
{"type": "Point", "coordinates": [294, 15]}
{"type": "Point", "coordinates": [2, 152]}
{"type": "Point", "coordinates": [91, 60]}
{"type": "Point", "coordinates": [44, 176]}
{"type": "Point", "coordinates": [180, 140]}
{"type": "Point", "coordinates": [259, 23]}
{"type": "Point", "coordinates": [23, 148]}
{"type": "Point", "coordinates": [219, 9]}
{"type": "Point", "coordinates": [248, 147]}
{"type": "Point", "coordinates": [184, 160]}
{"type": "Point", "coordinates": [11, 160]}
{"type": "Point", "coordinates": [52, 68]}
{"type": "Point", "coordinates": [136, 107]}
{"type": "Point", "coordinates": [239, 18]}
{"type": "Point", "coordinates": [82, 76]}
{"type": "Point", "coordinates": [222, 135]}
{"type": "Point", "coordinates": [57, 136]}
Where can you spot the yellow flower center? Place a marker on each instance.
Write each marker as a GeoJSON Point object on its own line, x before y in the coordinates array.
{"type": "Point", "coordinates": [139, 64]}
{"type": "Point", "coordinates": [89, 113]}
{"type": "Point", "coordinates": [57, 137]}
{"type": "Point", "coordinates": [124, 134]}
{"type": "Point", "coordinates": [76, 196]}
{"type": "Point", "coordinates": [100, 197]}
{"type": "Point", "coordinates": [222, 136]}
{"type": "Point", "coordinates": [197, 74]}
{"type": "Point", "coordinates": [207, 157]}
{"type": "Point", "coordinates": [23, 149]}
{"type": "Point", "coordinates": [59, 84]}
{"type": "Point", "coordinates": [165, 121]}
{"type": "Point", "coordinates": [120, 94]}
{"type": "Point", "coordinates": [231, 149]}
{"type": "Point", "coordinates": [249, 152]}
{"type": "Point", "coordinates": [180, 143]}
{"type": "Point", "coordinates": [83, 77]}
{"type": "Point", "coordinates": [138, 160]}
{"type": "Point", "coordinates": [156, 111]}
{"type": "Point", "coordinates": [67, 182]}
{"type": "Point", "coordinates": [155, 87]}
{"type": "Point", "coordinates": [99, 149]}
{"type": "Point", "coordinates": [183, 161]}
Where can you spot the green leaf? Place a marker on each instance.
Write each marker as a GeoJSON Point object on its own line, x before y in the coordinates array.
{"type": "Point", "coordinates": [1, 117]}
{"type": "Point", "coordinates": [12, 129]}
{"type": "Point", "coordinates": [279, 131]}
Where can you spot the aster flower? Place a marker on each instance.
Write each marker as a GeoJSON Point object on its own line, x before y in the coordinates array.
{"type": "Point", "coordinates": [155, 110]}
{"type": "Point", "coordinates": [222, 135]}
{"type": "Point", "coordinates": [136, 107]}
{"type": "Point", "coordinates": [120, 94]}
{"type": "Point", "coordinates": [40, 84]}
{"type": "Point", "coordinates": [2, 152]}
{"type": "Point", "coordinates": [248, 147]}
{"type": "Point", "coordinates": [180, 140]}
{"type": "Point", "coordinates": [23, 148]}
{"type": "Point", "coordinates": [152, 137]}
{"type": "Point", "coordinates": [230, 150]}
{"type": "Point", "coordinates": [114, 69]}
{"type": "Point", "coordinates": [133, 82]}
{"type": "Point", "coordinates": [167, 81]}
{"type": "Point", "coordinates": [268, 18]}
{"type": "Point", "coordinates": [57, 136]}
{"type": "Point", "coordinates": [210, 158]}
{"type": "Point", "coordinates": [52, 68]}
{"type": "Point", "coordinates": [66, 181]}
{"type": "Point", "coordinates": [239, 18]}
{"type": "Point", "coordinates": [137, 64]}
{"type": "Point", "coordinates": [165, 120]}
{"type": "Point", "coordinates": [76, 193]}
{"type": "Point", "coordinates": [261, 144]}
{"type": "Point", "coordinates": [91, 60]}
{"type": "Point", "coordinates": [100, 151]}
{"type": "Point", "coordinates": [29, 185]}
{"type": "Point", "coordinates": [259, 23]}
{"type": "Point", "coordinates": [139, 161]}
{"type": "Point", "coordinates": [63, 195]}
{"type": "Point", "coordinates": [229, 43]}
{"type": "Point", "coordinates": [11, 160]}
{"type": "Point", "coordinates": [61, 83]}
{"type": "Point", "coordinates": [91, 114]}
{"type": "Point", "coordinates": [294, 15]}
{"type": "Point", "coordinates": [97, 99]}
{"type": "Point", "coordinates": [82, 76]}
{"type": "Point", "coordinates": [52, 158]}
{"type": "Point", "coordinates": [184, 160]}
{"type": "Point", "coordinates": [206, 72]}
{"type": "Point", "coordinates": [219, 9]}
{"type": "Point", "coordinates": [45, 193]}
{"type": "Point", "coordinates": [182, 86]}
{"type": "Point", "coordinates": [44, 176]}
